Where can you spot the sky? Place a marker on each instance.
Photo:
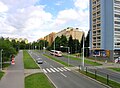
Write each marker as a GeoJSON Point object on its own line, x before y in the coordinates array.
{"type": "Point", "coordinates": [34, 19]}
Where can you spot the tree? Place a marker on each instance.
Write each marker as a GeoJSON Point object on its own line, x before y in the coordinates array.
{"type": "Point", "coordinates": [70, 44]}
{"type": "Point", "coordinates": [8, 49]}
{"type": "Point", "coordinates": [63, 41]}
{"type": "Point", "coordinates": [76, 46]}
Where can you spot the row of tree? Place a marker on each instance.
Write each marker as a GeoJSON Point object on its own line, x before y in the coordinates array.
{"type": "Point", "coordinates": [12, 47]}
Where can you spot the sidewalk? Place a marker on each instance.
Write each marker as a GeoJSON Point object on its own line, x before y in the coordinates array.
{"type": "Point", "coordinates": [14, 77]}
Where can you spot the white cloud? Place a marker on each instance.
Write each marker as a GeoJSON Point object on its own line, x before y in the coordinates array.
{"type": "Point", "coordinates": [3, 7]}
{"type": "Point", "coordinates": [21, 18]}
{"type": "Point", "coordinates": [81, 4]}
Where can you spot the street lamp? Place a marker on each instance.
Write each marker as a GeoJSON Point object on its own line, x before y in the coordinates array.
{"type": "Point", "coordinates": [83, 52]}
{"type": "Point", "coordinates": [1, 59]}
{"type": "Point", "coordinates": [68, 48]}
{"type": "Point", "coordinates": [83, 59]}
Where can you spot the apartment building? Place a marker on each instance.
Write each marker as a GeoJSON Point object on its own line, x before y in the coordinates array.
{"type": "Point", "coordinates": [50, 37]}
{"type": "Point", "coordinates": [105, 28]}
{"type": "Point", "coordinates": [74, 32]}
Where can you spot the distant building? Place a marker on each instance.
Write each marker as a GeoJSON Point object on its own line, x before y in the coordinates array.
{"type": "Point", "coordinates": [50, 37]}
{"type": "Point", "coordinates": [74, 32]}
{"type": "Point", "coordinates": [105, 28]}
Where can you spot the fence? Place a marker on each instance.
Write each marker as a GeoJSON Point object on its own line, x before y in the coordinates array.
{"type": "Point", "coordinates": [106, 77]}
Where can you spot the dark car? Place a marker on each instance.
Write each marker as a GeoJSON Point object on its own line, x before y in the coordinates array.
{"type": "Point", "coordinates": [39, 61]}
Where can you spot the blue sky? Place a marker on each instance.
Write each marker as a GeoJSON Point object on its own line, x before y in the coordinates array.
{"type": "Point", "coordinates": [54, 6]}
{"type": "Point", "coordinates": [33, 19]}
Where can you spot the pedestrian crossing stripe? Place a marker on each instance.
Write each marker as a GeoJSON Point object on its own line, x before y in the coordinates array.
{"type": "Point", "coordinates": [52, 70]}
{"type": "Point", "coordinates": [58, 69]}
{"type": "Point", "coordinates": [48, 70]}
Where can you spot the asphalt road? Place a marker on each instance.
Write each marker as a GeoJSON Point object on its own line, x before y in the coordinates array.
{"type": "Point", "coordinates": [63, 77]}
{"type": "Point", "coordinates": [101, 71]}
{"type": "Point", "coordinates": [14, 77]}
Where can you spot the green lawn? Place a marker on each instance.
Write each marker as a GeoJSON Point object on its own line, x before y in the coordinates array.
{"type": "Point", "coordinates": [116, 69]}
{"type": "Point", "coordinates": [86, 61]}
{"type": "Point", "coordinates": [29, 63]}
{"type": "Point", "coordinates": [1, 74]}
{"type": "Point", "coordinates": [38, 80]}
{"type": "Point", "coordinates": [63, 63]}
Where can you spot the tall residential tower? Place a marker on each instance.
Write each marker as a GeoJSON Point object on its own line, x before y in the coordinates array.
{"type": "Point", "coordinates": [105, 27]}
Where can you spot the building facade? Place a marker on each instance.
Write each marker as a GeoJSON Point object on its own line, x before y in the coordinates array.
{"type": "Point", "coordinates": [74, 32]}
{"type": "Point", "coordinates": [105, 28]}
{"type": "Point", "coordinates": [50, 37]}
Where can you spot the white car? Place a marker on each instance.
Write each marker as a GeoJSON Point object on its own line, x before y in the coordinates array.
{"type": "Point", "coordinates": [117, 60]}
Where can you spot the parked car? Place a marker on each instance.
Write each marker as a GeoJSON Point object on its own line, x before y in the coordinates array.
{"type": "Point", "coordinates": [117, 60]}
{"type": "Point", "coordinates": [39, 61]}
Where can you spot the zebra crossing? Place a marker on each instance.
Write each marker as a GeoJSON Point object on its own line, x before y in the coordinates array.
{"type": "Point", "coordinates": [57, 69]}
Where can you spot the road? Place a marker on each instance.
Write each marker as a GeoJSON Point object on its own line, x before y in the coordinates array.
{"type": "Point", "coordinates": [14, 77]}
{"type": "Point", "coordinates": [101, 71]}
{"type": "Point", "coordinates": [63, 77]}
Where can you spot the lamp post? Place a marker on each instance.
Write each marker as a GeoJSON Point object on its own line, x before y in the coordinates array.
{"type": "Point", "coordinates": [83, 58]}
{"type": "Point", "coordinates": [1, 59]}
{"type": "Point", "coordinates": [68, 48]}
{"type": "Point", "coordinates": [83, 61]}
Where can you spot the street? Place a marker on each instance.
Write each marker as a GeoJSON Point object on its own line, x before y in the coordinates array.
{"type": "Point", "coordinates": [62, 77]}
{"type": "Point", "coordinates": [101, 71]}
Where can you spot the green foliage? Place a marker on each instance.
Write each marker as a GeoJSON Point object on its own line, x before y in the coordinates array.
{"type": "Point", "coordinates": [1, 74]}
{"type": "Point", "coordinates": [8, 49]}
{"type": "Point", "coordinates": [29, 63]}
{"type": "Point", "coordinates": [38, 80]}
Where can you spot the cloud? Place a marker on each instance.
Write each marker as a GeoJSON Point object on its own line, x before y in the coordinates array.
{"type": "Point", "coordinates": [22, 18]}
{"type": "Point", "coordinates": [81, 4]}
{"type": "Point", "coordinates": [3, 7]}
{"type": "Point", "coordinates": [58, 3]}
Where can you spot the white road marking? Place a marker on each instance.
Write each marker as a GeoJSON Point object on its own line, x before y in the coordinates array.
{"type": "Point", "coordinates": [63, 74]}
{"type": "Point", "coordinates": [48, 70]}
{"type": "Point", "coordinates": [59, 69]}
{"type": "Point", "coordinates": [63, 69]}
{"type": "Point", "coordinates": [56, 70]}
{"type": "Point", "coordinates": [52, 70]}
{"type": "Point", "coordinates": [44, 70]}
{"type": "Point", "coordinates": [67, 68]}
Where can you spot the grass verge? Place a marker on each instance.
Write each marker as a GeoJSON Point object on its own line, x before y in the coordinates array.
{"type": "Point", "coordinates": [29, 63]}
{"type": "Point", "coordinates": [6, 65]}
{"type": "Point", "coordinates": [61, 62]}
{"type": "Point", "coordinates": [1, 74]}
{"type": "Point", "coordinates": [110, 83]}
{"type": "Point", "coordinates": [86, 61]}
{"type": "Point", "coordinates": [38, 80]}
{"type": "Point", "coordinates": [115, 69]}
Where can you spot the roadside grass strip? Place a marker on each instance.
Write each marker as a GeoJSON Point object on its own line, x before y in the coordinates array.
{"type": "Point", "coordinates": [86, 61]}
{"type": "Point", "coordinates": [61, 62]}
{"type": "Point", "coordinates": [1, 74]}
{"type": "Point", "coordinates": [29, 63]}
{"type": "Point", "coordinates": [102, 79]}
{"type": "Point", "coordinates": [115, 69]}
{"type": "Point", "coordinates": [38, 80]}
{"type": "Point", "coordinates": [6, 65]}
